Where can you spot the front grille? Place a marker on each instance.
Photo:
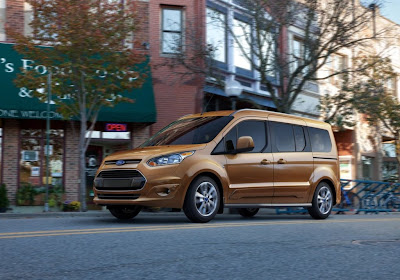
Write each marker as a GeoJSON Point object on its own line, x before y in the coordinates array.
{"type": "Point", "coordinates": [118, 196]}
{"type": "Point", "coordinates": [120, 180]}
{"type": "Point", "coordinates": [126, 161]}
{"type": "Point", "coordinates": [118, 174]}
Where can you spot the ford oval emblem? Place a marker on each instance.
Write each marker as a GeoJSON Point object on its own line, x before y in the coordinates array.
{"type": "Point", "coordinates": [120, 162]}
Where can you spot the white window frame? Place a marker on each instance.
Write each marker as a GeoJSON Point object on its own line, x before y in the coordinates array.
{"type": "Point", "coordinates": [165, 49]}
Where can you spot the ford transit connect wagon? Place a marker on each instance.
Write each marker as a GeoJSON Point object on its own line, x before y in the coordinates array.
{"type": "Point", "coordinates": [244, 159]}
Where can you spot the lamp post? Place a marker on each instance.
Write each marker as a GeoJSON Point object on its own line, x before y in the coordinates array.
{"type": "Point", "coordinates": [233, 89]}
{"type": "Point", "coordinates": [46, 202]}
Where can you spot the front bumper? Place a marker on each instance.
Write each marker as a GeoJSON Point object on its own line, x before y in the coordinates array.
{"type": "Point", "coordinates": [153, 188]}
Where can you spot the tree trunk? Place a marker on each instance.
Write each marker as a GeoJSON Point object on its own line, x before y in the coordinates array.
{"type": "Point", "coordinates": [82, 165]}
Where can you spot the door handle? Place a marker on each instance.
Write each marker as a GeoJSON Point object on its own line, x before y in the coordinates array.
{"type": "Point", "coordinates": [281, 161]}
{"type": "Point", "coordinates": [265, 162]}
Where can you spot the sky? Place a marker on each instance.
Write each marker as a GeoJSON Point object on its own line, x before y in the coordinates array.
{"type": "Point", "coordinates": [391, 10]}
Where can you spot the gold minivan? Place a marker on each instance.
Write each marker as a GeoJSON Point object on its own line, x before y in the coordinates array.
{"type": "Point", "coordinates": [244, 159]}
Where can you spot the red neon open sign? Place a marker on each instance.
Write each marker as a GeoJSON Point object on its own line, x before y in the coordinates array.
{"type": "Point", "coordinates": [116, 127]}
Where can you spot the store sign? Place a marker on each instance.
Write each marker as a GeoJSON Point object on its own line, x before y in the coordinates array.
{"type": "Point", "coordinates": [116, 127]}
{"type": "Point", "coordinates": [20, 102]}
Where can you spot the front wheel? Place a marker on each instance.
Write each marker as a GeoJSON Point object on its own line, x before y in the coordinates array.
{"type": "Point", "coordinates": [248, 212]}
{"type": "Point", "coordinates": [202, 200]}
{"type": "Point", "coordinates": [124, 212]}
{"type": "Point", "coordinates": [322, 202]}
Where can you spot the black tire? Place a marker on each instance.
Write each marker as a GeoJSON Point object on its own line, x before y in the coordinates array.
{"type": "Point", "coordinates": [248, 212]}
{"type": "Point", "coordinates": [202, 200]}
{"type": "Point", "coordinates": [124, 212]}
{"type": "Point", "coordinates": [322, 202]}
{"type": "Point", "coordinates": [353, 206]}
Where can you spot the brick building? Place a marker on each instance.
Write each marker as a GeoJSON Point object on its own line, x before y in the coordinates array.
{"type": "Point", "coordinates": [162, 99]}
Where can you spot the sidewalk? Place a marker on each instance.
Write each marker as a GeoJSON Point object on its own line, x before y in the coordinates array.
{"type": "Point", "coordinates": [38, 212]}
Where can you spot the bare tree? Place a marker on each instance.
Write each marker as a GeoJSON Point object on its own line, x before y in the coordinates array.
{"type": "Point", "coordinates": [323, 28]}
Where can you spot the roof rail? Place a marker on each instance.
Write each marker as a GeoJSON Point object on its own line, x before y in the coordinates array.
{"type": "Point", "coordinates": [241, 110]}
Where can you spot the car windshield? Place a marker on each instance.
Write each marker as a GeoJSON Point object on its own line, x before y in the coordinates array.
{"type": "Point", "coordinates": [189, 131]}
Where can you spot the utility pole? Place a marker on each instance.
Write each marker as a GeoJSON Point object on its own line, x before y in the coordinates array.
{"type": "Point", "coordinates": [46, 203]}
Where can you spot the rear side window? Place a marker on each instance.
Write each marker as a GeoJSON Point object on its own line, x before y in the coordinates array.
{"type": "Point", "coordinates": [320, 140]}
{"type": "Point", "coordinates": [299, 138]}
{"type": "Point", "coordinates": [284, 138]}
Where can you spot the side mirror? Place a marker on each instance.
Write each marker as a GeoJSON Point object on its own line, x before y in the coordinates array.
{"type": "Point", "coordinates": [244, 144]}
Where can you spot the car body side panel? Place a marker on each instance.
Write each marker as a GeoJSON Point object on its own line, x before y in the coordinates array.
{"type": "Point", "coordinates": [325, 169]}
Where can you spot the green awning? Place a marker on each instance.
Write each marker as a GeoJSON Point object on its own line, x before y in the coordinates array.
{"type": "Point", "coordinates": [17, 103]}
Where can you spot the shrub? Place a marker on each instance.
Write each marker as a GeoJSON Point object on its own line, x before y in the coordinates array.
{"type": "Point", "coordinates": [4, 202]}
{"type": "Point", "coordinates": [26, 195]}
{"type": "Point", "coordinates": [71, 205]}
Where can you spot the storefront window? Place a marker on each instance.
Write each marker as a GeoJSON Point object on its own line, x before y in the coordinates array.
{"type": "Point", "coordinates": [390, 171]}
{"type": "Point", "coordinates": [390, 167]}
{"type": "Point", "coordinates": [366, 167]}
{"type": "Point", "coordinates": [389, 149]}
{"type": "Point", "coordinates": [33, 157]}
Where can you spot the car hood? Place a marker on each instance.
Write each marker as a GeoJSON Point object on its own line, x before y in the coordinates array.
{"type": "Point", "coordinates": [153, 151]}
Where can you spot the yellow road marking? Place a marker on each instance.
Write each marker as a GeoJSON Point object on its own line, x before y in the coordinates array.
{"type": "Point", "coordinates": [8, 235]}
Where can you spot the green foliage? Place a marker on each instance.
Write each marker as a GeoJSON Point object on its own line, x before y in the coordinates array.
{"type": "Point", "coordinates": [367, 93]}
{"type": "Point", "coordinates": [26, 195]}
{"type": "Point", "coordinates": [338, 110]}
{"type": "Point", "coordinates": [91, 65]}
{"type": "Point", "coordinates": [55, 194]}
{"type": "Point", "coordinates": [87, 46]}
{"type": "Point", "coordinates": [4, 202]}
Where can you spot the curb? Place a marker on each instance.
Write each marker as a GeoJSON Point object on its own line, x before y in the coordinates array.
{"type": "Point", "coordinates": [90, 213]}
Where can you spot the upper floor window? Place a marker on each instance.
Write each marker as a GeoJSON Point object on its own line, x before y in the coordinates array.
{"type": "Point", "coordinates": [216, 34]}
{"type": "Point", "coordinates": [336, 63]}
{"type": "Point", "coordinates": [242, 45]}
{"type": "Point", "coordinates": [298, 49]}
{"type": "Point", "coordinates": [268, 50]}
{"type": "Point", "coordinates": [172, 28]}
{"type": "Point", "coordinates": [390, 85]}
{"type": "Point", "coordinates": [299, 54]}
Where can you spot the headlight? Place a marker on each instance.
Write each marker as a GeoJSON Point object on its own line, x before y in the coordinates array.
{"type": "Point", "coordinates": [169, 159]}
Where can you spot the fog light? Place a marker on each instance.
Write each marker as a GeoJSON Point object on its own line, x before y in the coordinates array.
{"type": "Point", "coordinates": [163, 191]}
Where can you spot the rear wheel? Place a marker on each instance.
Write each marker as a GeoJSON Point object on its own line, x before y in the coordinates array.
{"type": "Point", "coordinates": [124, 212]}
{"type": "Point", "coordinates": [202, 200]}
{"type": "Point", "coordinates": [248, 212]}
{"type": "Point", "coordinates": [322, 202]}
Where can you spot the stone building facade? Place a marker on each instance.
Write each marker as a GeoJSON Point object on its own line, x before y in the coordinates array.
{"type": "Point", "coordinates": [366, 152]}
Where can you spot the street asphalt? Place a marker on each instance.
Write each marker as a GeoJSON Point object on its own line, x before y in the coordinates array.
{"type": "Point", "coordinates": [18, 212]}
